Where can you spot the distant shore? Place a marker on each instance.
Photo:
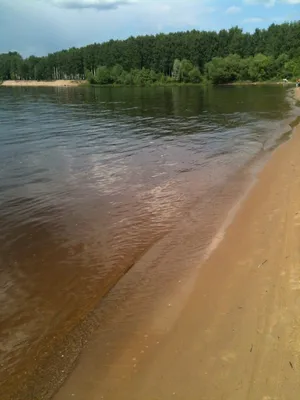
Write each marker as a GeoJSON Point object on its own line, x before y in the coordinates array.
{"type": "Point", "coordinates": [76, 83]}
{"type": "Point", "coordinates": [57, 83]}
{"type": "Point", "coordinates": [258, 83]}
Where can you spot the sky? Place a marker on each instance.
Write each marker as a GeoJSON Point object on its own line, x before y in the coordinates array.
{"type": "Point", "coordinates": [40, 27]}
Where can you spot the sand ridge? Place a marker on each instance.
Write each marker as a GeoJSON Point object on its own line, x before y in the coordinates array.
{"type": "Point", "coordinates": [297, 93]}
{"type": "Point", "coordinates": [57, 83]}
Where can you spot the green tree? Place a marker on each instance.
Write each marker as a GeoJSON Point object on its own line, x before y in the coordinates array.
{"type": "Point", "coordinates": [185, 69]}
{"type": "Point", "coordinates": [292, 69]}
{"type": "Point", "coordinates": [177, 70]}
{"type": "Point", "coordinates": [103, 76]}
{"type": "Point", "coordinates": [224, 70]}
{"type": "Point", "coordinates": [89, 76]}
{"type": "Point", "coordinates": [264, 54]}
{"type": "Point", "coordinates": [260, 68]}
{"type": "Point", "coordinates": [195, 75]}
{"type": "Point", "coordinates": [117, 73]}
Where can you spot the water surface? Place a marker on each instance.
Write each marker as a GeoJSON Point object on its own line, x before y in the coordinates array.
{"type": "Point", "coordinates": [92, 178]}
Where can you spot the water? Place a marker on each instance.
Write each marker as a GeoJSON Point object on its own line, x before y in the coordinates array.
{"type": "Point", "coordinates": [92, 178]}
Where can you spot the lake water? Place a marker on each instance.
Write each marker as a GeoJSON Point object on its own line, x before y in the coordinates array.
{"type": "Point", "coordinates": [92, 179]}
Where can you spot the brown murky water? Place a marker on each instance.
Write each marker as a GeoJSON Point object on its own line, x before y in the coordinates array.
{"type": "Point", "coordinates": [91, 179]}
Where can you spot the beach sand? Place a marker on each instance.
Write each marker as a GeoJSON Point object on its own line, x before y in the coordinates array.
{"type": "Point", "coordinates": [236, 334]}
{"type": "Point", "coordinates": [58, 83]}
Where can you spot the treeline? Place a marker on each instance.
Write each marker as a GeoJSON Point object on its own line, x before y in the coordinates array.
{"type": "Point", "coordinates": [233, 68]}
{"type": "Point", "coordinates": [182, 71]}
{"type": "Point", "coordinates": [192, 56]}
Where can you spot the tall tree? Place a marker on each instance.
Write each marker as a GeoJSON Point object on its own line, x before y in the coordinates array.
{"type": "Point", "coordinates": [202, 50]}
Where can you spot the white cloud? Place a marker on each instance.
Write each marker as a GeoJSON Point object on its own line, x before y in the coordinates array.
{"type": "Point", "coordinates": [42, 26]}
{"type": "Point", "coordinates": [271, 3]}
{"type": "Point", "coordinates": [266, 3]}
{"type": "Point", "coordinates": [253, 20]}
{"type": "Point", "coordinates": [32, 28]}
{"type": "Point", "coordinates": [95, 4]}
{"type": "Point", "coordinates": [169, 15]}
{"type": "Point", "coordinates": [233, 10]}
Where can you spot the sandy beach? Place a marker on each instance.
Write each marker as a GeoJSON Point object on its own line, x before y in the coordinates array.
{"type": "Point", "coordinates": [58, 83]}
{"type": "Point", "coordinates": [232, 330]}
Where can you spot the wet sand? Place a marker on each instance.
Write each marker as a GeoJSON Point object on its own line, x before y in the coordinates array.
{"type": "Point", "coordinates": [57, 83]}
{"type": "Point", "coordinates": [230, 330]}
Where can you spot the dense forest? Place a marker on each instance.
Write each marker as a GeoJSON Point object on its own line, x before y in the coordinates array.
{"type": "Point", "coordinates": [188, 57]}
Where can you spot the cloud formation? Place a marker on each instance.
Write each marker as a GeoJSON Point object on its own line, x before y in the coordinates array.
{"type": "Point", "coordinates": [94, 4]}
{"type": "Point", "coordinates": [267, 3]}
{"type": "Point", "coordinates": [42, 26]}
{"type": "Point", "coordinates": [254, 20]}
{"type": "Point", "coordinates": [233, 10]}
{"type": "Point", "coordinates": [271, 3]}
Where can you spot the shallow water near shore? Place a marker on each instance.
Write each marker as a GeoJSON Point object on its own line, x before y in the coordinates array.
{"type": "Point", "coordinates": [92, 179]}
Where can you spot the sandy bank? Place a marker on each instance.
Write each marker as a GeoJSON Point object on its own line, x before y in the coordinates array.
{"type": "Point", "coordinates": [58, 83]}
{"type": "Point", "coordinates": [297, 93]}
{"type": "Point", "coordinates": [238, 333]}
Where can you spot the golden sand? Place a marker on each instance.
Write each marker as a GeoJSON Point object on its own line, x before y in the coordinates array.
{"type": "Point", "coordinates": [58, 83]}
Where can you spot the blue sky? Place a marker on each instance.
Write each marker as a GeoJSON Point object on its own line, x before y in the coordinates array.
{"type": "Point", "coordinates": [43, 26]}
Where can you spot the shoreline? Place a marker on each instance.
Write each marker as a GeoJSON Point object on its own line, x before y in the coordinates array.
{"type": "Point", "coordinates": [84, 83]}
{"type": "Point", "coordinates": [33, 83]}
{"type": "Point", "coordinates": [237, 316]}
{"type": "Point", "coordinates": [259, 83]}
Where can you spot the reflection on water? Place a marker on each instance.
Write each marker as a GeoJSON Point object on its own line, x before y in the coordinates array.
{"type": "Point", "coordinates": [91, 178]}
